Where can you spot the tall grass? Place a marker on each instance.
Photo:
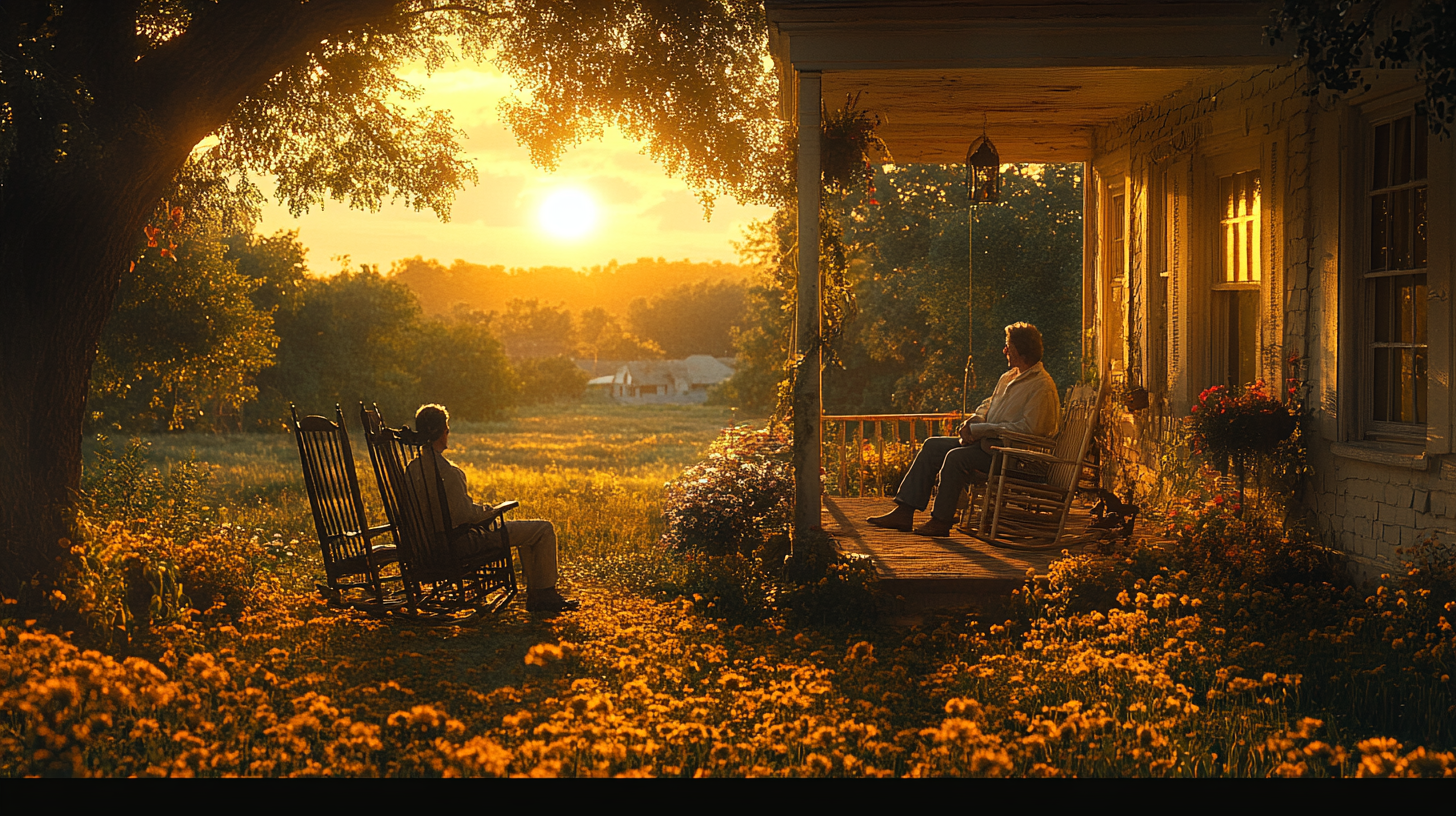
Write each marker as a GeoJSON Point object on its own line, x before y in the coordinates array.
{"type": "Point", "coordinates": [597, 471]}
{"type": "Point", "coordinates": [1117, 665]}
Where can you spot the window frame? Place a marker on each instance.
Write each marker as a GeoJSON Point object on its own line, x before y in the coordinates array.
{"type": "Point", "coordinates": [1241, 156]}
{"type": "Point", "coordinates": [1367, 429]}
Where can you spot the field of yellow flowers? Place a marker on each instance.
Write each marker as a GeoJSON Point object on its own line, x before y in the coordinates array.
{"type": "Point", "coordinates": [187, 640]}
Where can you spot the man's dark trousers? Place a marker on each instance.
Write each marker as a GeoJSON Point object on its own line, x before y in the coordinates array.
{"type": "Point", "coordinates": [954, 463]}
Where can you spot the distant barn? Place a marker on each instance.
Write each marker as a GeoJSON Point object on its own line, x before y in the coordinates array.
{"type": "Point", "coordinates": [644, 382]}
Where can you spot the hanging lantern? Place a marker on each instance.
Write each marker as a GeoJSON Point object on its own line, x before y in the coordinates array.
{"type": "Point", "coordinates": [983, 172]}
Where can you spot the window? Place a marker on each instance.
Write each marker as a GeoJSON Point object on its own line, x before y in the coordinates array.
{"type": "Point", "coordinates": [1395, 279]}
{"type": "Point", "coordinates": [1117, 279]}
{"type": "Point", "coordinates": [1236, 288]}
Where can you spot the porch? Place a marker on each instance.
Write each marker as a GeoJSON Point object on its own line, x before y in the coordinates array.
{"type": "Point", "coordinates": [865, 457]}
{"type": "Point", "coordinates": [950, 567]}
{"type": "Point", "coordinates": [1039, 78]}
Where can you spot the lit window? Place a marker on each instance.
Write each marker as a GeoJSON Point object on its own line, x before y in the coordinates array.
{"type": "Point", "coordinates": [1236, 287]}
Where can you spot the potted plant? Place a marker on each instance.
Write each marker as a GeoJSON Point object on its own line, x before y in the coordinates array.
{"type": "Point", "coordinates": [846, 140]}
{"type": "Point", "coordinates": [1236, 424]}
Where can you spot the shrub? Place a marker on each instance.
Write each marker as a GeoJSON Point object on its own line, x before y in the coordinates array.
{"type": "Point", "coordinates": [736, 498]}
{"type": "Point", "coordinates": [125, 486]}
{"type": "Point", "coordinates": [550, 379]}
{"type": "Point", "coordinates": [121, 584]}
{"type": "Point", "coordinates": [150, 554]}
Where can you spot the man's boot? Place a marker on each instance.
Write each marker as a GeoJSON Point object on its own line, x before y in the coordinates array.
{"type": "Point", "coordinates": [902, 518]}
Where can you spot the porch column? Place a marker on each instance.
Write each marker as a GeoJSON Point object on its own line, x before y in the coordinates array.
{"type": "Point", "coordinates": [808, 405]}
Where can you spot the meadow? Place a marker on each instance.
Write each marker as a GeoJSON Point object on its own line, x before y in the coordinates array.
{"type": "Point", "coordinates": [1119, 663]}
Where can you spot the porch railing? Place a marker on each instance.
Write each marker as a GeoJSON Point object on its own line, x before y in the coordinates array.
{"type": "Point", "coordinates": [868, 454]}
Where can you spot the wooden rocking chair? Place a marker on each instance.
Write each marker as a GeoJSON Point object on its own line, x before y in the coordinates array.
{"type": "Point", "coordinates": [1029, 512]}
{"type": "Point", "coordinates": [352, 561]}
{"type": "Point", "coordinates": [446, 579]}
{"type": "Point", "coordinates": [1033, 471]}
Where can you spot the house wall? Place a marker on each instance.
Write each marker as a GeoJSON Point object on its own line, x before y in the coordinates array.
{"type": "Point", "coordinates": [1158, 328]}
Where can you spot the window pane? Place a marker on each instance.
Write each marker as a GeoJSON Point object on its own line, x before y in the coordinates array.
{"type": "Point", "coordinates": [1380, 398]}
{"type": "Point", "coordinates": [1380, 161]}
{"type": "Point", "coordinates": [1248, 337]}
{"type": "Point", "coordinates": [1251, 251]}
{"type": "Point", "coordinates": [1379, 218]}
{"type": "Point", "coordinates": [1418, 243]}
{"type": "Point", "coordinates": [1400, 145]}
{"type": "Point", "coordinates": [1420, 385]}
{"type": "Point", "coordinates": [1405, 313]}
{"type": "Point", "coordinates": [1229, 197]}
{"type": "Point", "coordinates": [1381, 289]}
{"type": "Point", "coordinates": [1418, 306]}
{"type": "Point", "coordinates": [1399, 254]}
{"type": "Point", "coordinates": [1230, 253]}
{"type": "Point", "coordinates": [1419, 134]}
{"type": "Point", "coordinates": [1407, 405]}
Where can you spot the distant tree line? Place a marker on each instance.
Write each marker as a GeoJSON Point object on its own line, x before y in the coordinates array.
{"type": "Point", "coordinates": [218, 328]}
{"type": "Point", "coordinates": [905, 343]}
{"type": "Point", "coordinates": [611, 286]}
{"type": "Point", "coordinates": [641, 310]}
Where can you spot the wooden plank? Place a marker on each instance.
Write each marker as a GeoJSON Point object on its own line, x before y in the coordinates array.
{"type": "Point", "coordinates": [955, 560]}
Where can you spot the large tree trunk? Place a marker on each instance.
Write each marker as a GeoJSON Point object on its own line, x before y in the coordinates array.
{"type": "Point", "coordinates": [68, 238]}
{"type": "Point", "coordinates": [91, 163]}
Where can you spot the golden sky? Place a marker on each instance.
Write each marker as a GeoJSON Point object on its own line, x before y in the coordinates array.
{"type": "Point", "coordinates": [640, 210]}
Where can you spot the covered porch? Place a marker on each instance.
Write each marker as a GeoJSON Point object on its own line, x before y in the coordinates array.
{"type": "Point", "coordinates": [1039, 77]}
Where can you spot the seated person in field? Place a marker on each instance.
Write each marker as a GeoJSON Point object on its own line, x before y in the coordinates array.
{"type": "Point", "coordinates": [1025, 401]}
{"type": "Point", "coordinates": [534, 539]}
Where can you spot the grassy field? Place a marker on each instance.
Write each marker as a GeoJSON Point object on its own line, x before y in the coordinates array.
{"type": "Point", "coordinates": [598, 471]}
{"type": "Point", "coordinates": [1127, 662]}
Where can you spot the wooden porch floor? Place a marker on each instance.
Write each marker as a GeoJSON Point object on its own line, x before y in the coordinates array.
{"type": "Point", "coordinates": [956, 564]}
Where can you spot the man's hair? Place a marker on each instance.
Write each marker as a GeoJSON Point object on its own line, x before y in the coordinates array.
{"type": "Point", "coordinates": [431, 421]}
{"type": "Point", "coordinates": [1025, 338]}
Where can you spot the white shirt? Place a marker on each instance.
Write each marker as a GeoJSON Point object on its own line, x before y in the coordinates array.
{"type": "Point", "coordinates": [1023, 402]}
{"type": "Point", "coordinates": [462, 509]}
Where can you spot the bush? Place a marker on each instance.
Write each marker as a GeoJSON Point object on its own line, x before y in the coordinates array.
{"type": "Point", "coordinates": [729, 517]}
{"type": "Point", "coordinates": [1259, 600]}
{"type": "Point", "coordinates": [736, 498]}
{"type": "Point", "coordinates": [837, 589]}
{"type": "Point", "coordinates": [150, 553]}
{"type": "Point", "coordinates": [125, 486]}
{"type": "Point", "coordinates": [550, 379]}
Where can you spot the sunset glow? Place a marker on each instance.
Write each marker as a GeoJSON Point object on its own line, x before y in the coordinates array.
{"type": "Point", "coordinates": [569, 214]}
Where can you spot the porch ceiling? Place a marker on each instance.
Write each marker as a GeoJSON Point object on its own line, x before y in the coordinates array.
{"type": "Point", "coordinates": [1033, 114]}
{"type": "Point", "coordinates": [1044, 72]}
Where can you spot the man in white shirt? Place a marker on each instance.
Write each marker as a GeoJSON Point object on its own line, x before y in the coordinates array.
{"type": "Point", "coordinates": [1025, 401]}
{"type": "Point", "coordinates": [534, 539]}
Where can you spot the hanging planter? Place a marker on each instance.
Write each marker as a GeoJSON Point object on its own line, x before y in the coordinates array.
{"type": "Point", "coordinates": [847, 140]}
{"type": "Point", "coordinates": [1239, 422]}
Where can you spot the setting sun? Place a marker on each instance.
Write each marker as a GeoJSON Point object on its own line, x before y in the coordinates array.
{"type": "Point", "coordinates": [568, 214]}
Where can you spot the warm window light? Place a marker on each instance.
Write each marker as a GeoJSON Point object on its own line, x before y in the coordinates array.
{"type": "Point", "coordinates": [568, 214]}
{"type": "Point", "coordinates": [1239, 221]}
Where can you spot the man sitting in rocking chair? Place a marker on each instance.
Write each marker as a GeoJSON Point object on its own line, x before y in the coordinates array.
{"type": "Point", "coordinates": [1025, 401]}
{"type": "Point", "coordinates": [535, 539]}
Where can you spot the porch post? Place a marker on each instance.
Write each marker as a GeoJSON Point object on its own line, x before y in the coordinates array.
{"type": "Point", "coordinates": [808, 405]}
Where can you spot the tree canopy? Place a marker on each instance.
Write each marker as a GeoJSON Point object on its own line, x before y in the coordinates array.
{"type": "Point", "coordinates": [102, 105]}
{"type": "Point", "coordinates": [904, 342]}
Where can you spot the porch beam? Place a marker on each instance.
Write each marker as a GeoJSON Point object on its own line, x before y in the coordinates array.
{"type": "Point", "coordinates": [1026, 44]}
{"type": "Point", "coordinates": [808, 405]}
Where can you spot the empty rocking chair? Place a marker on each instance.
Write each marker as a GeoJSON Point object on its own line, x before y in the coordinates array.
{"type": "Point", "coordinates": [352, 561]}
